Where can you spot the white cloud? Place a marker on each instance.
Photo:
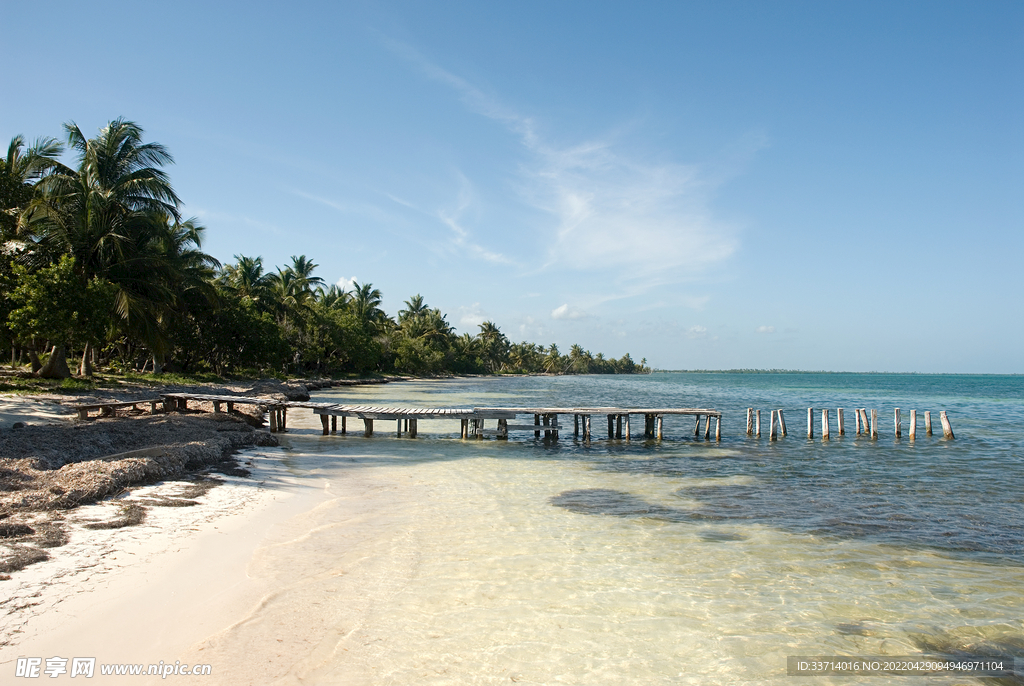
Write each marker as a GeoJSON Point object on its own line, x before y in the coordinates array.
{"type": "Point", "coordinates": [697, 332]}
{"type": "Point", "coordinates": [566, 312]}
{"type": "Point", "coordinates": [766, 329]}
{"type": "Point", "coordinates": [347, 284]}
{"type": "Point", "coordinates": [472, 316]}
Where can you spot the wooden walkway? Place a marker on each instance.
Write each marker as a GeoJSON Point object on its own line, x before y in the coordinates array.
{"type": "Point", "coordinates": [472, 420]}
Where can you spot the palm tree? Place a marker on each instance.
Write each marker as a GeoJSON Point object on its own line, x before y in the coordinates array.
{"type": "Point", "coordinates": [494, 344]}
{"type": "Point", "coordinates": [333, 298]}
{"type": "Point", "coordinates": [246, 279]}
{"type": "Point", "coordinates": [18, 173]}
{"type": "Point", "coordinates": [414, 307]}
{"type": "Point", "coordinates": [107, 214]}
{"type": "Point", "coordinates": [366, 302]}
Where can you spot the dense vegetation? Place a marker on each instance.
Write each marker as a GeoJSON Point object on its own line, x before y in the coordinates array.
{"type": "Point", "coordinates": [98, 263]}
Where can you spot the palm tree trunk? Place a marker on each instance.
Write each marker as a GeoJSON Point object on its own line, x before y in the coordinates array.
{"type": "Point", "coordinates": [158, 365]}
{"type": "Point", "coordinates": [33, 356]}
{"type": "Point", "coordinates": [85, 369]}
{"type": "Point", "coordinates": [57, 366]}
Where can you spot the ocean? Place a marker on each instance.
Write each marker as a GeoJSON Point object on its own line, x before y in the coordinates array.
{"type": "Point", "coordinates": [673, 561]}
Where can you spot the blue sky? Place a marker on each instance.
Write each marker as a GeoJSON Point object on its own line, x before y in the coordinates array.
{"type": "Point", "coordinates": [799, 185]}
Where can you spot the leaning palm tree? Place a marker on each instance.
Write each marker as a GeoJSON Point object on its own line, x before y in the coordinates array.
{"type": "Point", "coordinates": [107, 213]}
{"type": "Point", "coordinates": [414, 307]}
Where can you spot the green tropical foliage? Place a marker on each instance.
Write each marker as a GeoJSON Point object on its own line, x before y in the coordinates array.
{"type": "Point", "coordinates": [96, 261]}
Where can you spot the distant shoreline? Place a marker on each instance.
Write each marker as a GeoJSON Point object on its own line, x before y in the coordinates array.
{"type": "Point", "coordinates": [807, 371]}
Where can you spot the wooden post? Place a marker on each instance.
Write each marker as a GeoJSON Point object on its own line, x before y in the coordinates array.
{"type": "Point", "coordinates": [273, 420]}
{"type": "Point", "coordinates": [839, 421]}
{"type": "Point", "coordinates": [782, 424]}
{"type": "Point", "coordinates": [659, 421]}
{"type": "Point", "coordinates": [536, 422]}
{"type": "Point", "coordinates": [772, 435]}
{"type": "Point", "coordinates": [757, 424]}
{"type": "Point", "coordinates": [412, 428]}
{"type": "Point", "coordinates": [324, 421]}
{"type": "Point", "coordinates": [554, 423]}
{"type": "Point", "coordinates": [216, 407]}
{"type": "Point", "coordinates": [367, 427]}
{"type": "Point", "coordinates": [627, 426]}
{"type": "Point", "coordinates": [856, 416]}
{"type": "Point", "coordinates": [824, 426]}
{"type": "Point", "coordinates": [696, 427]}
{"type": "Point", "coordinates": [503, 429]}
{"type": "Point", "coordinates": [183, 404]}
{"type": "Point", "coordinates": [718, 428]}
{"type": "Point", "coordinates": [231, 407]}
{"type": "Point", "coordinates": [874, 424]}
{"type": "Point", "coordinates": [896, 423]}
{"type": "Point", "coordinates": [334, 423]}
{"type": "Point", "coordinates": [750, 421]}
{"type": "Point", "coordinates": [399, 430]}
{"type": "Point", "coordinates": [810, 422]}
{"type": "Point", "coordinates": [618, 426]}
{"type": "Point", "coordinates": [586, 428]}
{"type": "Point", "coordinates": [611, 426]}
{"type": "Point", "coordinates": [947, 428]}
{"type": "Point", "coordinates": [465, 428]}
{"type": "Point", "coordinates": [343, 427]}
{"type": "Point", "coordinates": [547, 422]}
{"type": "Point", "coordinates": [707, 427]}
{"type": "Point", "coordinates": [284, 419]}
{"type": "Point", "coordinates": [576, 425]}
{"type": "Point", "coordinates": [928, 422]}
{"type": "Point", "coordinates": [913, 424]}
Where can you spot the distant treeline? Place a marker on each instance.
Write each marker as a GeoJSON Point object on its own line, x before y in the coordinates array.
{"type": "Point", "coordinates": [98, 263]}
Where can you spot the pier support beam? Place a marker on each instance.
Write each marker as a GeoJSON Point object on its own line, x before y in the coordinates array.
{"type": "Point", "coordinates": [825, 436]}
{"type": "Point", "coordinates": [536, 422]}
{"type": "Point", "coordinates": [750, 421]}
{"type": "Point", "coordinates": [273, 420]}
{"type": "Point", "coordinates": [897, 424]}
{"type": "Point", "coordinates": [659, 422]}
{"type": "Point", "coordinates": [334, 423]}
{"type": "Point", "coordinates": [367, 427]}
{"type": "Point", "coordinates": [874, 424]}
{"type": "Point", "coordinates": [707, 427]}
{"type": "Point", "coordinates": [782, 423]}
{"type": "Point", "coordinates": [718, 428]}
{"type": "Point", "coordinates": [810, 422]}
{"type": "Point", "coordinates": [576, 425]}
{"type": "Point", "coordinates": [839, 421]}
{"type": "Point", "coordinates": [503, 429]}
{"type": "Point", "coordinates": [927, 423]}
{"type": "Point", "coordinates": [618, 426]}
{"type": "Point", "coordinates": [757, 424]}
{"type": "Point", "coordinates": [947, 428]}
{"type": "Point", "coordinates": [586, 428]}
{"type": "Point", "coordinates": [465, 428]}
{"type": "Point", "coordinates": [412, 427]}
{"type": "Point", "coordinates": [343, 427]}
{"type": "Point", "coordinates": [626, 427]}
{"type": "Point", "coordinates": [772, 431]}
{"type": "Point", "coordinates": [913, 424]}
{"type": "Point", "coordinates": [325, 422]}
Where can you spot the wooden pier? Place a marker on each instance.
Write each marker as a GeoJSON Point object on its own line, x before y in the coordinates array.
{"type": "Point", "coordinates": [864, 425]}
{"type": "Point", "coordinates": [473, 421]}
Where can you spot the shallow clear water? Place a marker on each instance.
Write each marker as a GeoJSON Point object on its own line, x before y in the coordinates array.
{"type": "Point", "coordinates": [684, 560]}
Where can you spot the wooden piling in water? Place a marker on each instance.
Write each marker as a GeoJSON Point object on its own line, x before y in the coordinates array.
{"type": "Point", "coordinates": [465, 428]}
{"type": "Point", "coordinates": [750, 421]}
{"type": "Point", "coordinates": [658, 421]}
{"type": "Point", "coordinates": [611, 426]}
{"type": "Point", "coordinates": [343, 426]}
{"type": "Point", "coordinates": [626, 427]}
{"type": "Point", "coordinates": [874, 424]}
{"type": "Point", "coordinates": [718, 428]}
{"type": "Point", "coordinates": [897, 424]}
{"type": "Point", "coordinates": [782, 424]}
{"type": "Point", "coordinates": [503, 429]}
{"type": "Point", "coordinates": [367, 427]}
{"type": "Point", "coordinates": [772, 435]}
{"type": "Point", "coordinates": [586, 428]}
{"type": "Point", "coordinates": [273, 420]}
{"type": "Point", "coordinates": [810, 422]}
{"type": "Point", "coordinates": [758, 424]}
{"type": "Point", "coordinates": [412, 427]}
{"type": "Point", "coordinates": [618, 426]}
{"type": "Point", "coordinates": [927, 423]}
{"type": "Point", "coordinates": [825, 436]}
{"type": "Point", "coordinates": [947, 428]}
{"type": "Point", "coordinates": [334, 423]}
{"type": "Point", "coordinates": [707, 427]}
{"type": "Point", "coordinates": [839, 422]}
{"type": "Point", "coordinates": [325, 422]}
{"type": "Point", "coordinates": [913, 424]}
{"type": "Point", "coordinates": [536, 422]}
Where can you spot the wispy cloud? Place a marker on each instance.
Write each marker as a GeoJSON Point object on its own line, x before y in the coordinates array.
{"type": "Point", "coordinates": [649, 222]}
{"type": "Point", "coordinates": [463, 239]}
{"type": "Point", "coordinates": [471, 316]}
{"type": "Point", "coordinates": [766, 329]}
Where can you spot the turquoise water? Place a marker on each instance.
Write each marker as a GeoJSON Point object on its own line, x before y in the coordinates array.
{"type": "Point", "coordinates": [691, 561]}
